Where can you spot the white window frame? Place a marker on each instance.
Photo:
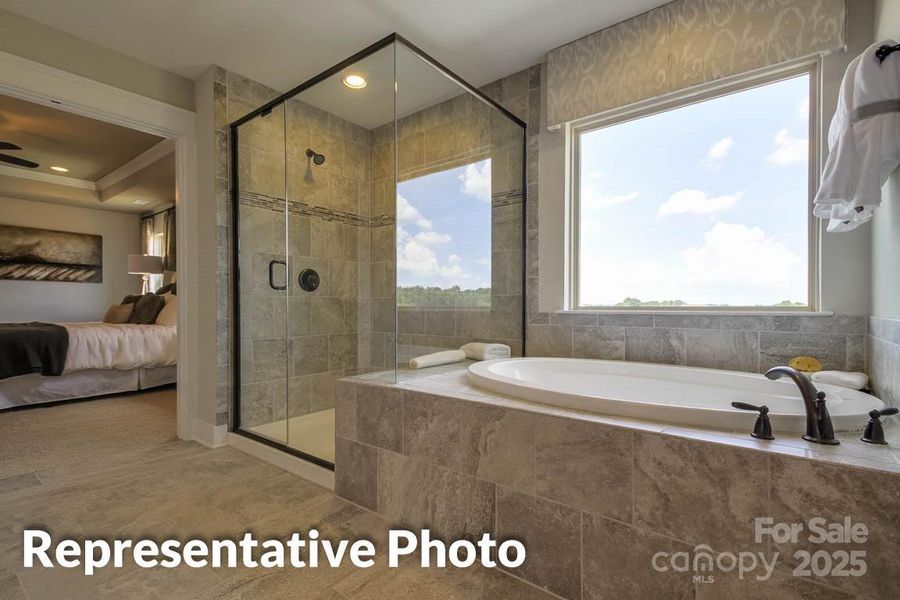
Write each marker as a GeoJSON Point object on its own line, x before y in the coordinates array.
{"type": "Point", "coordinates": [811, 67]}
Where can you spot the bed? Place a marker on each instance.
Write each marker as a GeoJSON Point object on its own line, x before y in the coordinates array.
{"type": "Point", "coordinates": [101, 359]}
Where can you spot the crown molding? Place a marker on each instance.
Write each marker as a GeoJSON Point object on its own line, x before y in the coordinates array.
{"type": "Point", "coordinates": [72, 182]}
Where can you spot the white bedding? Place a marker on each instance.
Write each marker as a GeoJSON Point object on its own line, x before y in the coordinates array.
{"type": "Point", "coordinates": [110, 346]}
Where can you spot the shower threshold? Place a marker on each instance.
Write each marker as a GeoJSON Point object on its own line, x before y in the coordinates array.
{"type": "Point", "coordinates": [311, 434]}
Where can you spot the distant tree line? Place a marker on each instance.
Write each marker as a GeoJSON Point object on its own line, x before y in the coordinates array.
{"type": "Point", "coordinates": [443, 297]}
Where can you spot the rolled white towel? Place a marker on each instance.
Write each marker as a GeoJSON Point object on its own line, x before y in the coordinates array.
{"type": "Point", "coordinates": [844, 379]}
{"type": "Point", "coordinates": [437, 358]}
{"type": "Point", "coordinates": [484, 351]}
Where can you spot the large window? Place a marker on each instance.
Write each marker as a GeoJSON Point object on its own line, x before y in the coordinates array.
{"type": "Point", "coordinates": [699, 204]}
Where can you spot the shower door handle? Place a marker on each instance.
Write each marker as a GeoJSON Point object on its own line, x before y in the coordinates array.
{"type": "Point", "coordinates": [272, 285]}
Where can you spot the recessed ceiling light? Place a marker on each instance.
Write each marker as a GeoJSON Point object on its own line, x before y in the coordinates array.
{"type": "Point", "coordinates": [141, 202]}
{"type": "Point", "coordinates": [60, 169]}
{"type": "Point", "coordinates": [356, 82]}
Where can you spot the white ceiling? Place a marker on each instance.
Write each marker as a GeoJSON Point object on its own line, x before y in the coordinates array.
{"type": "Point", "coordinates": [110, 167]}
{"type": "Point", "coordinates": [283, 42]}
{"type": "Point", "coordinates": [418, 85]}
{"type": "Point", "coordinates": [88, 148]}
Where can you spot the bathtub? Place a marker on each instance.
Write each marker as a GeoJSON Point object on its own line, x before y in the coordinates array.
{"type": "Point", "coordinates": [682, 395]}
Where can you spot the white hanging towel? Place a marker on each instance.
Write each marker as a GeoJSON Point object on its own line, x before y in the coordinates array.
{"type": "Point", "coordinates": [864, 141]}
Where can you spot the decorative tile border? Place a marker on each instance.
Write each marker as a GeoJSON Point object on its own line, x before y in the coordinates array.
{"type": "Point", "coordinates": [297, 207]}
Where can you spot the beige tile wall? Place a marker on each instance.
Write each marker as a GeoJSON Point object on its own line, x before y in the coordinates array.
{"type": "Point", "coordinates": [884, 358]}
{"type": "Point", "coordinates": [293, 343]}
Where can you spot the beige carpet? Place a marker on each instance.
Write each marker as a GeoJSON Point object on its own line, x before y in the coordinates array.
{"type": "Point", "coordinates": [93, 431]}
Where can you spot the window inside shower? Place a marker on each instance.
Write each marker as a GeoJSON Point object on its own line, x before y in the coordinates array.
{"type": "Point", "coordinates": [378, 214]}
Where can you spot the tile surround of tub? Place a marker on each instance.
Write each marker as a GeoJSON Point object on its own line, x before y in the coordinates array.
{"type": "Point", "coordinates": [596, 497]}
{"type": "Point", "coordinates": [752, 343]}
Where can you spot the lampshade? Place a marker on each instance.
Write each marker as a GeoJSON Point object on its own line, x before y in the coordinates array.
{"type": "Point", "coordinates": [144, 264]}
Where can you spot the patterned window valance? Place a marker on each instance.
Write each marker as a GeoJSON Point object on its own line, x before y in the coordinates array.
{"type": "Point", "coordinates": [682, 44]}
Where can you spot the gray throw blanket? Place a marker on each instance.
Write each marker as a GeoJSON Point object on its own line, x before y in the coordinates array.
{"type": "Point", "coordinates": [32, 348]}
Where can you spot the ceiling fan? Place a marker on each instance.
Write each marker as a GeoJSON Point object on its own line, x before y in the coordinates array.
{"type": "Point", "coordinates": [15, 160]}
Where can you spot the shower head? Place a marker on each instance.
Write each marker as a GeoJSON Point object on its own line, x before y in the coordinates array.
{"type": "Point", "coordinates": [318, 159]}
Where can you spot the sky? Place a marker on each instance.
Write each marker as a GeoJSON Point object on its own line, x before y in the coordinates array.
{"type": "Point", "coordinates": [444, 228]}
{"type": "Point", "coordinates": [707, 203]}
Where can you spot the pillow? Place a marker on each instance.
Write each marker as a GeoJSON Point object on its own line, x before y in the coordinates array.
{"type": "Point", "coordinates": [147, 309]}
{"type": "Point", "coordinates": [169, 314]}
{"type": "Point", "coordinates": [118, 313]}
{"type": "Point", "coordinates": [172, 288]}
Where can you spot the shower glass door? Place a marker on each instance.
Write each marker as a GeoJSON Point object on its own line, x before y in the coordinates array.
{"type": "Point", "coordinates": [315, 248]}
{"type": "Point", "coordinates": [264, 277]}
{"type": "Point", "coordinates": [331, 132]}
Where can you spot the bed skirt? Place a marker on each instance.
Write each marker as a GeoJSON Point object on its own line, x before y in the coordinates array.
{"type": "Point", "coordinates": [37, 389]}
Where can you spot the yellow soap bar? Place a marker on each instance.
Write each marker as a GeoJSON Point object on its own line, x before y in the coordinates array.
{"type": "Point", "coordinates": [807, 364]}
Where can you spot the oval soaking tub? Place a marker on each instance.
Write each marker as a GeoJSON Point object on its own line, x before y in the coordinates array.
{"type": "Point", "coordinates": [683, 395]}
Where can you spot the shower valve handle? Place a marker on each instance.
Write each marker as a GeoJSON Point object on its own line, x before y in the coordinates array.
{"type": "Point", "coordinates": [762, 429]}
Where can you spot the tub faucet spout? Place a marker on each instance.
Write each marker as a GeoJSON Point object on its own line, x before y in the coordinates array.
{"type": "Point", "coordinates": [818, 422]}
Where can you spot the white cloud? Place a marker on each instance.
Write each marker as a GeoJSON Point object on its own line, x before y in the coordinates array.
{"type": "Point", "coordinates": [732, 265]}
{"type": "Point", "coordinates": [789, 149]}
{"type": "Point", "coordinates": [695, 202]}
{"type": "Point", "coordinates": [416, 256]}
{"type": "Point", "coordinates": [432, 238]}
{"type": "Point", "coordinates": [408, 213]}
{"type": "Point", "coordinates": [718, 151]}
{"type": "Point", "coordinates": [476, 180]}
{"type": "Point", "coordinates": [734, 254]}
{"type": "Point", "coordinates": [592, 198]}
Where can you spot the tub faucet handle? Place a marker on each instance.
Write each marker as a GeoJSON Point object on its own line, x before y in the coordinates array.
{"type": "Point", "coordinates": [874, 433]}
{"type": "Point", "coordinates": [762, 429]}
{"type": "Point", "coordinates": [826, 429]}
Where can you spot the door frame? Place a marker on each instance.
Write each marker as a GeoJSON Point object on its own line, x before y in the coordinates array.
{"type": "Point", "coordinates": [49, 86]}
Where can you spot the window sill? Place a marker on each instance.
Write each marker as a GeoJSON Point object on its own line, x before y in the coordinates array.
{"type": "Point", "coordinates": [698, 312]}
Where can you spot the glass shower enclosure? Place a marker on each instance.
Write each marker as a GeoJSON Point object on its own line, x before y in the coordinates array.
{"type": "Point", "coordinates": [378, 214]}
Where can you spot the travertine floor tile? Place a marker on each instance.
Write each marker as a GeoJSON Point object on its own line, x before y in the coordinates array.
{"type": "Point", "coordinates": [158, 487]}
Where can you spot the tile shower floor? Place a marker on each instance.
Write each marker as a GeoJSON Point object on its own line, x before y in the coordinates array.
{"type": "Point", "coordinates": [172, 488]}
{"type": "Point", "coordinates": [312, 433]}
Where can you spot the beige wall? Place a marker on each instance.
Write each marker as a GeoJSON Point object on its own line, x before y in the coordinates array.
{"type": "Point", "coordinates": [40, 43]}
{"type": "Point", "coordinates": [62, 301]}
{"type": "Point", "coordinates": [886, 222]}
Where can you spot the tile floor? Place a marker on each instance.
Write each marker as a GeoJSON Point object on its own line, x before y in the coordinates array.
{"type": "Point", "coordinates": [106, 477]}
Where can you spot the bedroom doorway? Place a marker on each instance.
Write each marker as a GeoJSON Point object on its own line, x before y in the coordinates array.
{"type": "Point", "coordinates": [88, 219]}
{"type": "Point", "coordinates": [29, 81]}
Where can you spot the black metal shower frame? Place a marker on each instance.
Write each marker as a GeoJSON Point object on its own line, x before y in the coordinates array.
{"type": "Point", "coordinates": [234, 194]}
